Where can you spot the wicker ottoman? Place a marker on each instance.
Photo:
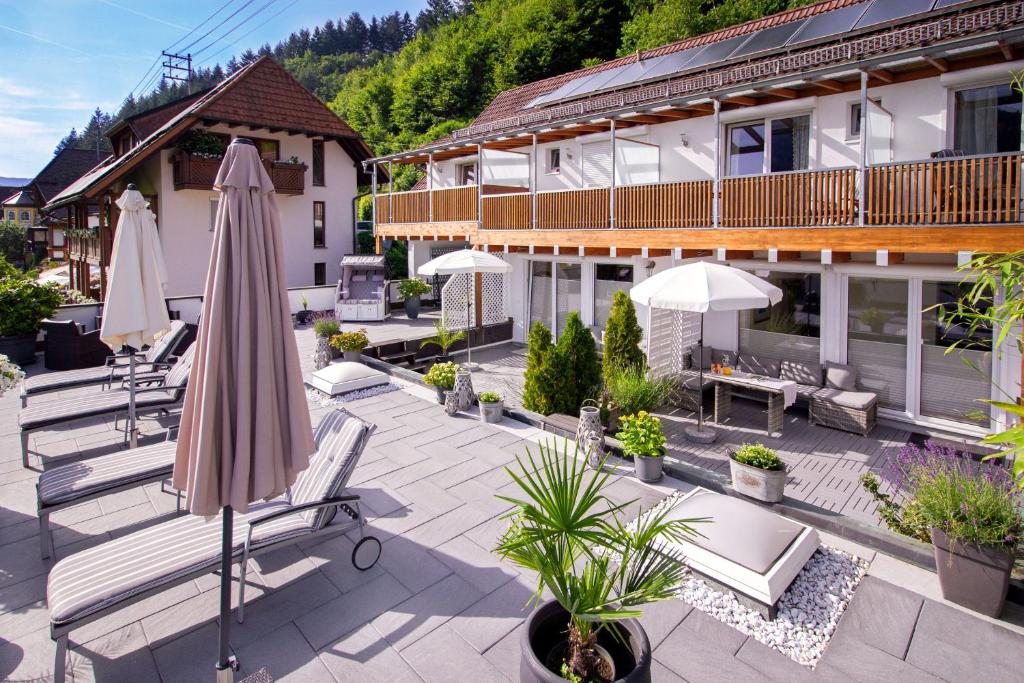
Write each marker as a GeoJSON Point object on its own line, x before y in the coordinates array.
{"type": "Point", "coordinates": [850, 411]}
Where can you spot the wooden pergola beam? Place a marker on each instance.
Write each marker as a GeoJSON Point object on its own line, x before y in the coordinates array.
{"type": "Point", "coordinates": [829, 84]}
{"type": "Point", "coordinates": [942, 65]}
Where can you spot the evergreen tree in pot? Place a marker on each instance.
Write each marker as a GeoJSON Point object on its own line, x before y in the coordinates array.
{"type": "Point", "coordinates": [411, 290]}
{"type": "Point", "coordinates": [622, 336]}
{"type": "Point", "coordinates": [24, 304]}
{"type": "Point", "coordinates": [599, 571]}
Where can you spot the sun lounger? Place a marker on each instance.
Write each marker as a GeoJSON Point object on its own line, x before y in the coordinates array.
{"type": "Point", "coordinates": [116, 367]}
{"type": "Point", "coordinates": [169, 393]}
{"type": "Point", "coordinates": [99, 580]}
{"type": "Point", "coordinates": [75, 483]}
{"type": "Point", "coordinates": [745, 547]}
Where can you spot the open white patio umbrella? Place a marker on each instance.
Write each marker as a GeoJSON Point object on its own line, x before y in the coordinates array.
{"type": "Point", "coordinates": [466, 262]}
{"type": "Point", "coordinates": [134, 312]}
{"type": "Point", "coordinates": [245, 431]}
{"type": "Point", "coordinates": [700, 287]}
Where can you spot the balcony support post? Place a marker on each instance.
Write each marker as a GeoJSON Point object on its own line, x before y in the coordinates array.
{"type": "Point", "coordinates": [391, 194]}
{"type": "Point", "coordinates": [533, 185]}
{"type": "Point", "coordinates": [430, 187]}
{"type": "Point", "coordinates": [479, 186]}
{"type": "Point", "coordinates": [862, 176]}
{"type": "Point", "coordinates": [611, 192]}
{"type": "Point", "coordinates": [717, 182]}
{"type": "Point", "coordinates": [373, 198]}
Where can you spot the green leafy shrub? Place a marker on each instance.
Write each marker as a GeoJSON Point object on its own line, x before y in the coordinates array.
{"type": "Point", "coordinates": [443, 337]}
{"type": "Point", "coordinates": [622, 336]}
{"type": "Point", "coordinates": [631, 390]}
{"type": "Point", "coordinates": [567, 532]}
{"type": "Point", "coordinates": [202, 143]}
{"type": "Point", "coordinates": [641, 434]}
{"type": "Point", "coordinates": [326, 325]}
{"type": "Point", "coordinates": [577, 347]}
{"type": "Point", "coordinates": [12, 241]}
{"type": "Point", "coordinates": [7, 269]}
{"type": "Point", "coordinates": [366, 242]}
{"type": "Point", "coordinates": [350, 341]}
{"type": "Point", "coordinates": [489, 397]}
{"type": "Point", "coordinates": [441, 375]}
{"type": "Point", "coordinates": [413, 287]}
{"type": "Point", "coordinates": [760, 456]}
{"type": "Point", "coordinates": [397, 257]}
{"type": "Point", "coordinates": [24, 304]}
{"type": "Point", "coordinates": [905, 519]}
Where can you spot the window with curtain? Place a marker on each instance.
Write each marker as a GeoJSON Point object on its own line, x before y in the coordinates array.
{"type": "Point", "coordinates": [608, 279]}
{"type": "Point", "coordinates": [791, 329]}
{"type": "Point", "coordinates": [318, 163]}
{"type": "Point", "coordinates": [540, 292]}
{"type": "Point", "coordinates": [877, 337]}
{"type": "Point", "coordinates": [769, 146]}
{"type": "Point", "coordinates": [987, 120]}
{"type": "Point", "coordinates": [952, 382]}
{"type": "Point", "coordinates": [319, 224]}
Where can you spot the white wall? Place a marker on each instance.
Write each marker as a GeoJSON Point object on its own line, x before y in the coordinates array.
{"type": "Point", "coordinates": [184, 216]}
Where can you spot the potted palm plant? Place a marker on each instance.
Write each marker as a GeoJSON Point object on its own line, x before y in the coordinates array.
{"type": "Point", "coordinates": [351, 344]}
{"type": "Point", "coordinates": [643, 439]}
{"type": "Point", "coordinates": [443, 338]}
{"type": "Point", "coordinates": [599, 570]}
{"type": "Point", "coordinates": [758, 472]}
{"type": "Point", "coordinates": [491, 406]}
{"type": "Point", "coordinates": [302, 317]}
{"type": "Point", "coordinates": [441, 376]}
{"type": "Point", "coordinates": [411, 290]}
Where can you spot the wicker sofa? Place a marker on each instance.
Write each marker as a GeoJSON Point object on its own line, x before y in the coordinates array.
{"type": "Point", "coordinates": [829, 392]}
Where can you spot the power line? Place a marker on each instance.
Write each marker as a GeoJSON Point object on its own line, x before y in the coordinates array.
{"type": "Point", "coordinates": [197, 26]}
{"type": "Point", "coordinates": [250, 32]}
{"type": "Point", "coordinates": [234, 28]}
{"type": "Point", "coordinates": [224, 21]}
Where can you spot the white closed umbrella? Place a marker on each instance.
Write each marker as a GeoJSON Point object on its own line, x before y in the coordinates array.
{"type": "Point", "coordinates": [134, 311]}
{"type": "Point", "coordinates": [700, 287]}
{"type": "Point", "coordinates": [466, 262]}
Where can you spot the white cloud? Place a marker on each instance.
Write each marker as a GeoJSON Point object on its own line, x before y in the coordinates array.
{"type": "Point", "coordinates": [34, 146]}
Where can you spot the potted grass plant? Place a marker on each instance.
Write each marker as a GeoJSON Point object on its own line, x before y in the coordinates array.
{"type": "Point", "coordinates": [441, 376]}
{"type": "Point", "coordinates": [303, 316]}
{"type": "Point", "coordinates": [411, 290]}
{"type": "Point", "coordinates": [758, 472]}
{"type": "Point", "coordinates": [491, 406]}
{"type": "Point", "coordinates": [644, 440]}
{"type": "Point", "coordinates": [598, 570]}
{"type": "Point", "coordinates": [629, 390]}
{"type": "Point", "coordinates": [351, 344]}
{"type": "Point", "coordinates": [443, 338]}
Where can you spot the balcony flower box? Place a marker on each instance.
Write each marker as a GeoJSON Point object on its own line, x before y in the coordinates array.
{"type": "Point", "coordinates": [192, 172]}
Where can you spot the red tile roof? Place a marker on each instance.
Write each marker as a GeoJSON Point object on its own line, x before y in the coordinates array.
{"type": "Point", "coordinates": [64, 169]}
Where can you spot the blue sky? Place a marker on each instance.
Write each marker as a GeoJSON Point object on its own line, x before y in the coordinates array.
{"type": "Point", "coordinates": [62, 58]}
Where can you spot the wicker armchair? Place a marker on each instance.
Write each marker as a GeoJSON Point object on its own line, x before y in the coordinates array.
{"type": "Point", "coordinates": [70, 348]}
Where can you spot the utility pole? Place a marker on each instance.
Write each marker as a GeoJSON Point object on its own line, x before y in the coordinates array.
{"type": "Point", "coordinates": [174, 65]}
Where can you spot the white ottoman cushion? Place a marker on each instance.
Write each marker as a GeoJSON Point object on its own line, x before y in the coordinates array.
{"type": "Point", "coordinates": [343, 377]}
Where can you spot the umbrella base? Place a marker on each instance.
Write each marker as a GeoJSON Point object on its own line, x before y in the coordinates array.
{"type": "Point", "coordinates": [700, 434]}
{"type": "Point", "coordinates": [470, 366]}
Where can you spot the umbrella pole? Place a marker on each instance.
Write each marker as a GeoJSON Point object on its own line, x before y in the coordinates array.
{"type": "Point", "coordinates": [700, 383]}
{"type": "Point", "coordinates": [469, 327]}
{"type": "Point", "coordinates": [133, 438]}
{"type": "Point", "coordinates": [226, 663]}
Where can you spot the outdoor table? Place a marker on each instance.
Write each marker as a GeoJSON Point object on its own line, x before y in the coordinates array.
{"type": "Point", "coordinates": [781, 394]}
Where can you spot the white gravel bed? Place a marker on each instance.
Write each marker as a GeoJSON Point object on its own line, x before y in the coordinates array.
{"type": "Point", "coordinates": [326, 400]}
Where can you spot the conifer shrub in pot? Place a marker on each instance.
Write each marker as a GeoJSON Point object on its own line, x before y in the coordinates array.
{"type": "Point", "coordinates": [411, 290]}
{"type": "Point", "coordinates": [643, 438]}
{"type": "Point", "coordinates": [351, 344]}
{"type": "Point", "coordinates": [441, 376]}
{"type": "Point", "coordinates": [599, 571]}
{"type": "Point", "coordinates": [757, 471]}
{"type": "Point", "coordinates": [24, 304]}
{"type": "Point", "coordinates": [491, 406]}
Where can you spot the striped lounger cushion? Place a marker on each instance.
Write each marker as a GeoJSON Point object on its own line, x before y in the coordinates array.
{"type": "Point", "coordinates": [105, 575]}
{"type": "Point", "coordinates": [55, 412]}
{"type": "Point", "coordinates": [75, 480]}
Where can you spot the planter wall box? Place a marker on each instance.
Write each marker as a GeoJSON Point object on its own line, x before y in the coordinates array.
{"type": "Point", "coordinates": [198, 173]}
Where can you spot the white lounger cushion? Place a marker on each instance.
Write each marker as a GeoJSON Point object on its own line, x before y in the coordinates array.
{"type": "Point", "coordinates": [340, 378]}
{"type": "Point", "coordinates": [746, 547]}
{"type": "Point", "coordinates": [77, 479]}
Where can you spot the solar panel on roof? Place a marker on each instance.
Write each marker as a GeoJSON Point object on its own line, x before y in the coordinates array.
{"type": "Point", "coordinates": [633, 73]}
{"type": "Point", "coordinates": [882, 11]}
{"type": "Point", "coordinates": [768, 39]}
{"type": "Point", "coordinates": [670, 64]}
{"type": "Point", "coordinates": [715, 52]}
{"type": "Point", "coordinates": [829, 23]}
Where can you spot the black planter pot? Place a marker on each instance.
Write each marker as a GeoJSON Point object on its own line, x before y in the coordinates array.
{"type": "Point", "coordinates": [440, 394]}
{"type": "Point", "coordinates": [412, 307]}
{"type": "Point", "coordinates": [975, 576]}
{"type": "Point", "coordinates": [545, 631]}
{"type": "Point", "coordinates": [303, 316]}
{"type": "Point", "coordinates": [21, 349]}
{"type": "Point", "coordinates": [443, 358]}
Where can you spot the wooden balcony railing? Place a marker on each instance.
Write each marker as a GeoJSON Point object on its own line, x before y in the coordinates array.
{"type": "Point", "coordinates": [981, 189]}
{"type": "Point", "coordinates": [963, 190]}
{"type": "Point", "coordinates": [81, 246]}
{"type": "Point", "coordinates": [801, 198]}
{"type": "Point", "coordinates": [198, 173]}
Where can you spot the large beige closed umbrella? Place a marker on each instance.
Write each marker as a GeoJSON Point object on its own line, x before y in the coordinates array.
{"type": "Point", "coordinates": [245, 432]}
{"type": "Point", "coordinates": [135, 312]}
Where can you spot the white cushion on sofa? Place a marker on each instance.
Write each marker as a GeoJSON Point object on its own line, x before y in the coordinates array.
{"type": "Point", "coordinates": [857, 400]}
{"type": "Point", "coordinates": [343, 377]}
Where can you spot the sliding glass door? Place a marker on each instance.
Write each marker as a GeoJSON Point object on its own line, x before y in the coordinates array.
{"type": "Point", "coordinates": [877, 338]}
{"type": "Point", "coordinates": [791, 329]}
{"type": "Point", "coordinates": [541, 292]}
{"type": "Point", "coordinates": [555, 291]}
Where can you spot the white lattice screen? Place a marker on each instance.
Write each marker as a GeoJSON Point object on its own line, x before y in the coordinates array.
{"type": "Point", "coordinates": [458, 287]}
{"type": "Point", "coordinates": [672, 334]}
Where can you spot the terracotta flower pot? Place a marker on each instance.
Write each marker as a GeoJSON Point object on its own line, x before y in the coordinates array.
{"type": "Point", "coordinates": [975, 576]}
{"type": "Point", "coordinates": [768, 486]}
{"type": "Point", "coordinates": [543, 641]}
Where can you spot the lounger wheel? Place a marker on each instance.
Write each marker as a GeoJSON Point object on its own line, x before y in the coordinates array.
{"type": "Point", "coordinates": [366, 553]}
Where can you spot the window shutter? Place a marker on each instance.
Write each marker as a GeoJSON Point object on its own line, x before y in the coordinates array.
{"type": "Point", "coordinates": [597, 164]}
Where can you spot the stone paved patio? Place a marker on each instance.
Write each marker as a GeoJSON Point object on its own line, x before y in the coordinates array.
{"type": "Point", "coordinates": [439, 606]}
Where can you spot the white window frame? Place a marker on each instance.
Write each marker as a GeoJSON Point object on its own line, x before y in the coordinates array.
{"type": "Point", "coordinates": [952, 90]}
{"type": "Point", "coordinates": [853, 135]}
{"type": "Point", "coordinates": [767, 121]}
{"type": "Point", "coordinates": [460, 172]}
{"type": "Point", "coordinates": [549, 167]}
